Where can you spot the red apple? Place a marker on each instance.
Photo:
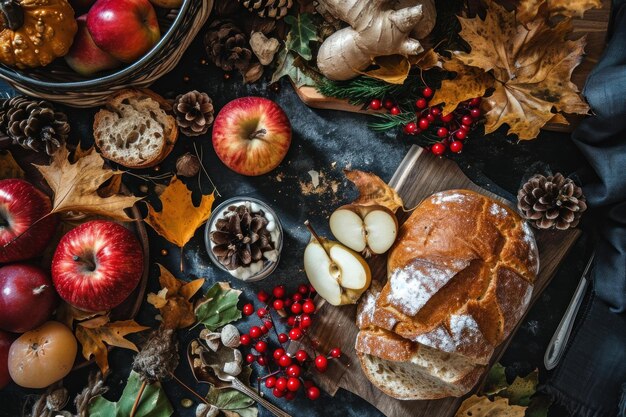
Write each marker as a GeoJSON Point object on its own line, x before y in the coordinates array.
{"type": "Point", "coordinates": [84, 56]}
{"type": "Point", "coordinates": [27, 298]}
{"type": "Point", "coordinates": [97, 265]}
{"type": "Point", "coordinates": [126, 29]}
{"type": "Point", "coordinates": [22, 235]}
{"type": "Point", "coordinates": [251, 135]}
{"type": "Point", "coordinates": [6, 339]}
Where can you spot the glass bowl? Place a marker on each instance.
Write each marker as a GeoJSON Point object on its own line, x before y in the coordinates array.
{"type": "Point", "coordinates": [245, 274]}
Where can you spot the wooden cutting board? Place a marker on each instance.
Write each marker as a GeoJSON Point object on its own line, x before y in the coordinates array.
{"type": "Point", "coordinates": [593, 26]}
{"type": "Point", "coordinates": [419, 175]}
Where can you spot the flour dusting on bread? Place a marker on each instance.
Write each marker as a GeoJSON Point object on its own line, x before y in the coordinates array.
{"type": "Point", "coordinates": [412, 286]}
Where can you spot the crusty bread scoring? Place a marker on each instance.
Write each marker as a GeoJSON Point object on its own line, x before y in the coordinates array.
{"type": "Point", "coordinates": [460, 277]}
{"type": "Point", "coordinates": [135, 129]}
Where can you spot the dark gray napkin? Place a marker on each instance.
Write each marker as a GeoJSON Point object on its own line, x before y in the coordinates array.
{"type": "Point", "coordinates": [589, 378]}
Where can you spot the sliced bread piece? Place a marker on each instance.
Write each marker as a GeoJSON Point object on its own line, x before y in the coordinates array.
{"type": "Point", "coordinates": [411, 381]}
{"type": "Point", "coordinates": [135, 129]}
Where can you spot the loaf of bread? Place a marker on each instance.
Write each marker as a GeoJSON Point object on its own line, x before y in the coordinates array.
{"type": "Point", "coordinates": [135, 129]}
{"type": "Point", "coordinates": [408, 370]}
{"type": "Point", "coordinates": [460, 277]}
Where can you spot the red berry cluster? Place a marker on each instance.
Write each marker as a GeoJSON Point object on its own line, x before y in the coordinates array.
{"type": "Point", "coordinates": [285, 373]}
{"type": "Point", "coordinates": [450, 129]}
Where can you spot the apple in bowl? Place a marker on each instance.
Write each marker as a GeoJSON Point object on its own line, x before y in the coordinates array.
{"type": "Point", "coordinates": [126, 29]}
{"type": "Point", "coordinates": [251, 135]}
{"type": "Point", "coordinates": [25, 224]}
{"type": "Point", "coordinates": [97, 265]}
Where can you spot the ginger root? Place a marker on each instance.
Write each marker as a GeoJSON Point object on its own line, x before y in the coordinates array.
{"type": "Point", "coordinates": [377, 28]}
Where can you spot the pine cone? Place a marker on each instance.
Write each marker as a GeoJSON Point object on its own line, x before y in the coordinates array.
{"type": "Point", "coordinates": [241, 237]}
{"type": "Point", "coordinates": [227, 46]}
{"type": "Point", "coordinates": [34, 124]}
{"type": "Point", "coordinates": [551, 202]}
{"type": "Point", "coordinates": [194, 113]}
{"type": "Point", "coordinates": [276, 9]}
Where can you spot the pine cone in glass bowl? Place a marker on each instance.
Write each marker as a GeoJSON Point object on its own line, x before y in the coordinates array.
{"type": "Point", "coordinates": [552, 202]}
{"type": "Point", "coordinates": [227, 46]}
{"type": "Point", "coordinates": [241, 237]}
{"type": "Point", "coordinates": [34, 124]}
{"type": "Point", "coordinates": [194, 113]}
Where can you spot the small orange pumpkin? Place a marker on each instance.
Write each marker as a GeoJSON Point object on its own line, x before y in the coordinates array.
{"type": "Point", "coordinates": [35, 32]}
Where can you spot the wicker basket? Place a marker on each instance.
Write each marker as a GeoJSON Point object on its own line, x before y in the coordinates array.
{"type": "Point", "coordinates": [57, 82]}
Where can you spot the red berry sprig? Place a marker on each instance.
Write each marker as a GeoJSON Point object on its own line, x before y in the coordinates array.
{"type": "Point", "coordinates": [286, 373]}
{"type": "Point", "coordinates": [445, 131]}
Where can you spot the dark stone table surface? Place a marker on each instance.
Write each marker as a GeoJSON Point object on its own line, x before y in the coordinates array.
{"type": "Point", "coordinates": [325, 141]}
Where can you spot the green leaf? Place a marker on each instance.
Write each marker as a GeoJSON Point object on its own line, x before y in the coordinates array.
{"type": "Point", "coordinates": [232, 402]}
{"type": "Point", "coordinates": [218, 307]}
{"type": "Point", "coordinates": [292, 67]}
{"type": "Point", "coordinates": [496, 380]}
{"type": "Point", "coordinates": [242, 412]}
{"type": "Point", "coordinates": [539, 405]}
{"type": "Point", "coordinates": [153, 401]}
{"type": "Point", "coordinates": [302, 33]}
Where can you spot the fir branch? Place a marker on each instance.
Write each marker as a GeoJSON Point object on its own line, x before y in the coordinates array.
{"type": "Point", "coordinates": [357, 91]}
{"type": "Point", "coordinates": [388, 121]}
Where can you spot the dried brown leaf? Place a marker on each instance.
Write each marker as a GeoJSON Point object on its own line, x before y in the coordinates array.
{"type": "Point", "coordinates": [75, 186]}
{"type": "Point", "coordinates": [393, 69]}
{"type": "Point", "coordinates": [373, 190]}
{"type": "Point", "coordinates": [173, 300]}
{"type": "Point", "coordinates": [476, 406]}
{"type": "Point", "coordinates": [9, 168]}
{"type": "Point", "coordinates": [531, 65]}
{"type": "Point", "coordinates": [94, 335]}
{"type": "Point", "coordinates": [469, 82]}
{"type": "Point", "coordinates": [529, 10]}
{"type": "Point", "coordinates": [426, 60]}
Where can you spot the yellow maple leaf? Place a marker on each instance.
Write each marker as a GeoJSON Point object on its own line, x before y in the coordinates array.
{"type": "Point", "coordinates": [476, 406]}
{"type": "Point", "coordinates": [9, 168]}
{"type": "Point", "coordinates": [373, 190]}
{"type": "Point", "coordinates": [94, 335]}
{"type": "Point", "coordinates": [173, 300]}
{"type": "Point", "coordinates": [179, 218]}
{"type": "Point", "coordinates": [75, 185]}
{"type": "Point", "coordinates": [531, 65]}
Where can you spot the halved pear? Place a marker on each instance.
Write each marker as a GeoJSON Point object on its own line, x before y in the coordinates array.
{"type": "Point", "coordinates": [366, 229]}
{"type": "Point", "coordinates": [338, 274]}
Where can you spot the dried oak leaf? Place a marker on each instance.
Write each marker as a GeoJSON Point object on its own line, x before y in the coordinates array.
{"type": "Point", "coordinates": [173, 300]}
{"type": "Point", "coordinates": [9, 168]}
{"type": "Point", "coordinates": [531, 65]}
{"type": "Point", "coordinates": [75, 185]}
{"type": "Point", "coordinates": [93, 334]}
{"type": "Point", "coordinates": [179, 218]}
{"type": "Point", "coordinates": [476, 406]}
{"type": "Point", "coordinates": [373, 190]}
{"type": "Point", "coordinates": [392, 69]}
{"type": "Point", "coordinates": [528, 10]}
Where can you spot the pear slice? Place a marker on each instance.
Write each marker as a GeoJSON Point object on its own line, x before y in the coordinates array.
{"type": "Point", "coordinates": [366, 229]}
{"type": "Point", "coordinates": [338, 274]}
